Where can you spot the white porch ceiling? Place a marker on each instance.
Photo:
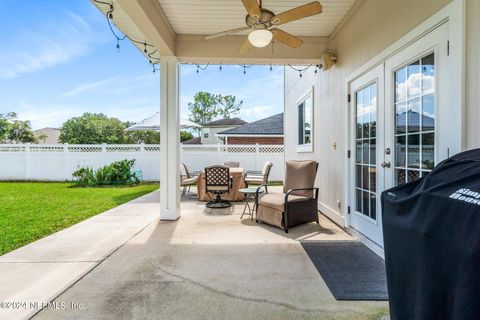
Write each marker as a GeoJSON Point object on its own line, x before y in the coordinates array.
{"type": "Point", "coordinates": [211, 16]}
{"type": "Point", "coordinates": [176, 28]}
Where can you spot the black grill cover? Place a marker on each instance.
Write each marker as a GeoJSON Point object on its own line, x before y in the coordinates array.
{"type": "Point", "coordinates": [431, 230]}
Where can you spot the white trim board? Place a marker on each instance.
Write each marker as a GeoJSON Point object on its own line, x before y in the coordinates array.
{"type": "Point", "coordinates": [331, 214]}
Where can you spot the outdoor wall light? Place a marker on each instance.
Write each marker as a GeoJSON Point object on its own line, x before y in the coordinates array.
{"type": "Point", "coordinates": [260, 38]}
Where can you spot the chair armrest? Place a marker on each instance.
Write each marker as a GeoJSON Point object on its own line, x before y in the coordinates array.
{"type": "Point", "coordinates": [257, 192]}
{"type": "Point", "coordinates": [301, 189]}
{"type": "Point", "coordinates": [255, 172]}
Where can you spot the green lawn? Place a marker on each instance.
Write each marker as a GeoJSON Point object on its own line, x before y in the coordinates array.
{"type": "Point", "coordinates": [33, 210]}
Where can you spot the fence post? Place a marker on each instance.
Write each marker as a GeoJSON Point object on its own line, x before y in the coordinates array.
{"type": "Point", "coordinates": [218, 153]}
{"type": "Point", "coordinates": [257, 150]}
{"type": "Point", "coordinates": [66, 162]}
{"type": "Point", "coordinates": [27, 161]}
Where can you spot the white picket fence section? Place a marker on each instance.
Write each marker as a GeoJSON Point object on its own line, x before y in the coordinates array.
{"type": "Point", "coordinates": [57, 162]}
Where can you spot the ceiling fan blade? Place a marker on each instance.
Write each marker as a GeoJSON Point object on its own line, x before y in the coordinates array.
{"type": "Point", "coordinates": [304, 11]}
{"type": "Point", "coordinates": [246, 45]}
{"type": "Point", "coordinates": [286, 38]}
{"type": "Point", "coordinates": [253, 8]}
{"type": "Point", "coordinates": [226, 33]}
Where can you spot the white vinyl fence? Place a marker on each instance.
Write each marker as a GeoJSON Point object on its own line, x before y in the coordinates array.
{"type": "Point", "coordinates": [57, 162]}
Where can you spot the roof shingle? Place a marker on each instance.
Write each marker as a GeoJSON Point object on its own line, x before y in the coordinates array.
{"type": "Point", "coordinates": [269, 126]}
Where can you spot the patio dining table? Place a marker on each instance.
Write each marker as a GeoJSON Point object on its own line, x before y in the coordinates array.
{"type": "Point", "coordinates": [238, 177]}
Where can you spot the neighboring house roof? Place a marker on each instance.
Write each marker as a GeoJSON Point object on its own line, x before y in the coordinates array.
{"type": "Point", "coordinates": [226, 123]}
{"type": "Point", "coordinates": [269, 126]}
{"type": "Point", "coordinates": [196, 140]}
{"type": "Point", "coordinates": [52, 135]}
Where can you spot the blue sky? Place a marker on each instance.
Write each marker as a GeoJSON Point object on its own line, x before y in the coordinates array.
{"type": "Point", "coordinates": [58, 60]}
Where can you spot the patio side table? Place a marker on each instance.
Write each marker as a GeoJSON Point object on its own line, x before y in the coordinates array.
{"type": "Point", "coordinates": [249, 194]}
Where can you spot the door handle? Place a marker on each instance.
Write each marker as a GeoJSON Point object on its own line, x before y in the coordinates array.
{"type": "Point", "coordinates": [386, 164]}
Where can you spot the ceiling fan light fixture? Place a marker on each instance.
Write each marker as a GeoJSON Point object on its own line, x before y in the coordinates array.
{"type": "Point", "coordinates": [260, 38]}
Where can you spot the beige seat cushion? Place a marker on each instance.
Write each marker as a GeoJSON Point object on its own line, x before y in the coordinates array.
{"type": "Point", "coordinates": [189, 181]}
{"type": "Point", "coordinates": [254, 180]}
{"type": "Point", "coordinates": [277, 200]}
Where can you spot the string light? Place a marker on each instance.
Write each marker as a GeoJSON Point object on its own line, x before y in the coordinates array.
{"type": "Point", "coordinates": [155, 61]}
{"type": "Point", "coordinates": [109, 16]}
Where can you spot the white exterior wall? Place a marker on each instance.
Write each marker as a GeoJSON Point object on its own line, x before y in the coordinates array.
{"type": "Point", "coordinates": [58, 162]}
{"type": "Point", "coordinates": [213, 139]}
{"type": "Point", "coordinates": [373, 26]}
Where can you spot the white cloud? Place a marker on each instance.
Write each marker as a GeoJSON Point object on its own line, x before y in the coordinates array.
{"type": "Point", "coordinates": [91, 86]}
{"type": "Point", "coordinates": [33, 51]}
{"type": "Point", "coordinates": [112, 85]}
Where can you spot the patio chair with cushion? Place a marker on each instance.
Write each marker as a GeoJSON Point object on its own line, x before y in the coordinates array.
{"type": "Point", "coordinates": [298, 202]}
{"type": "Point", "coordinates": [259, 177]}
{"type": "Point", "coordinates": [218, 182]}
{"type": "Point", "coordinates": [187, 178]}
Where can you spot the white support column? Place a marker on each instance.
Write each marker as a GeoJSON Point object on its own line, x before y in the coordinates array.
{"type": "Point", "coordinates": [169, 139]}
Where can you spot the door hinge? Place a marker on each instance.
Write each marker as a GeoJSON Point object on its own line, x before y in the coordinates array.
{"type": "Point", "coordinates": [349, 97]}
{"type": "Point", "coordinates": [349, 154]}
{"type": "Point", "coordinates": [448, 47]}
{"type": "Point", "coordinates": [348, 210]}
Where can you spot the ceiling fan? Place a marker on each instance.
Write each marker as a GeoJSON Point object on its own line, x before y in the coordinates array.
{"type": "Point", "coordinates": [263, 22]}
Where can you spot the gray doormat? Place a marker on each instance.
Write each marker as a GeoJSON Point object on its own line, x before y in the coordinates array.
{"type": "Point", "coordinates": [350, 270]}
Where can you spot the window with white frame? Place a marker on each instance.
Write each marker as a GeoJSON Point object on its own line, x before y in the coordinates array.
{"type": "Point", "coordinates": [305, 123]}
{"type": "Point", "coordinates": [206, 133]}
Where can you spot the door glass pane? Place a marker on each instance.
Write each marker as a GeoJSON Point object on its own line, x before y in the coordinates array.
{"type": "Point", "coordinates": [400, 151]}
{"type": "Point", "coordinates": [413, 151]}
{"type": "Point", "coordinates": [366, 146]}
{"type": "Point", "coordinates": [428, 148]}
{"type": "Point", "coordinates": [415, 119]}
{"type": "Point", "coordinates": [401, 118]}
{"type": "Point", "coordinates": [428, 112]}
{"type": "Point", "coordinates": [413, 115]}
{"type": "Point", "coordinates": [414, 80]}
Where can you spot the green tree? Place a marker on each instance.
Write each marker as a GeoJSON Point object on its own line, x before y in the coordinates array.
{"type": "Point", "coordinates": [185, 135]}
{"type": "Point", "coordinates": [207, 107]}
{"type": "Point", "coordinates": [5, 122]}
{"type": "Point", "coordinates": [93, 128]}
{"type": "Point", "coordinates": [14, 130]}
{"type": "Point", "coordinates": [42, 137]}
{"type": "Point", "coordinates": [228, 106]}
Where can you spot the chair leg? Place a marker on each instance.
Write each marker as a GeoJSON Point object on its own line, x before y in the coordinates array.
{"type": "Point", "coordinates": [266, 189]}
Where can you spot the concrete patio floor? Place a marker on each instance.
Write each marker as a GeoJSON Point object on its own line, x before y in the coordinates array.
{"type": "Point", "coordinates": [211, 267]}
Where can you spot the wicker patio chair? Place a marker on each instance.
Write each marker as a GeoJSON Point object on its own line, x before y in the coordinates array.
{"type": "Point", "coordinates": [298, 202]}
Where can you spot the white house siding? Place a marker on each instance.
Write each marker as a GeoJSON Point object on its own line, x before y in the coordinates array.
{"type": "Point", "coordinates": [374, 25]}
{"type": "Point", "coordinates": [472, 67]}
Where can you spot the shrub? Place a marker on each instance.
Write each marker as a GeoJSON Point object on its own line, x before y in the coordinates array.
{"type": "Point", "coordinates": [115, 173]}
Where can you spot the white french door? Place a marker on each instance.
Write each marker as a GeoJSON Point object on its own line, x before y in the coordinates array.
{"type": "Point", "coordinates": [398, 111]}
{"type": "Point", "coordinates": [367, 114]}
{"type": "Point", "coordinates": [417, 108]}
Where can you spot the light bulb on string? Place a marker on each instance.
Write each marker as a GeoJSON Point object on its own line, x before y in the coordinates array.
{"type": "Point", "coordinates": [145, 49]}
{"type": "Point", "coordinates": [220, 68]}
{"type": "Point", "coordinates": [271, 69]}
{"type": "Point", "coordinates": [118, 45]}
